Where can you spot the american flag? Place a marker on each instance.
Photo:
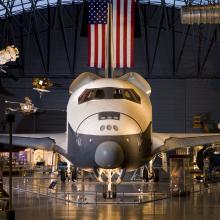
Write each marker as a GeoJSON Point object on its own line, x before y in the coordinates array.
{"type": "Point", "coordinates": [122, 33]}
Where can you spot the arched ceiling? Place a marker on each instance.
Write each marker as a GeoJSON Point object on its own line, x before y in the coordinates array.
{"type": "Point", "coordinates": [12, 7]}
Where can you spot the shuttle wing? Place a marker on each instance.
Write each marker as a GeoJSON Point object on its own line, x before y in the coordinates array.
{"type": "Point", "coordinates": [165, 142]}
{"type": "Point", "coordinates": [52, 142]}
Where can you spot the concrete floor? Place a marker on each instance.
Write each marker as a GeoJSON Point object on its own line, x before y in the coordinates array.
{"type": "Point", "coordinates": [203, 205]}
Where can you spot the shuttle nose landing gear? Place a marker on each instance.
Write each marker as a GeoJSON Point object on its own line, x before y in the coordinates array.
{"type": "Point", "coordinates": [109, 194]}
{"type": "Point", "coordinates": [110, 178]}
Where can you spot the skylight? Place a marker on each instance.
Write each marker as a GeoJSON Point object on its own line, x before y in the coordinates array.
{"type": "Point", "coordinates": [13, 7]}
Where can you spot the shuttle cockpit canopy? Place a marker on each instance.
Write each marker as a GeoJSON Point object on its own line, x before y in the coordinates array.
{"type": "Point", "coordinates": [109, 93]}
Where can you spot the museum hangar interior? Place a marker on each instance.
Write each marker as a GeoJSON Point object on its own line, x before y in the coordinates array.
{"type": "Point", "coordinates": [176, 49]}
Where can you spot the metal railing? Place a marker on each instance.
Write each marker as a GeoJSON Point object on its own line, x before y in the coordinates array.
{"type": "Point", "coordinates": [96, 197]}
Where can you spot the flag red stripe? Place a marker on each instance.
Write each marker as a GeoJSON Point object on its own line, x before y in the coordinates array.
{"type": "Point", "coordinates": [118, 35]}
{"type": "Point", "coordinates": [132, 31]}
{"type": "Point", "coordinates": [89, 45]}
{"type": "Point", "coordinates": [125, 33]}
{"type": "Point", "coordinates": [126, 59]}
{"type": "Point", "coordinates": [96, 45]}
{"type": "Point", "coordinates": [103, 45]}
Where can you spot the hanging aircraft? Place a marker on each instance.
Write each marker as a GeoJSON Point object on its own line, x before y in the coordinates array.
{"type": "Point", "coordinates": [109, 128]}
{"type": "Point", "coordinates": [43, 84]}
{"type": "Point", "coordinates": [9, 54]}
{"type": "Point", "coordinates": [27, 107]}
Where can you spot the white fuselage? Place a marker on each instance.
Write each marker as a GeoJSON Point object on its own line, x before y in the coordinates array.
{"type": "Point", "coordinates": [84, 122]}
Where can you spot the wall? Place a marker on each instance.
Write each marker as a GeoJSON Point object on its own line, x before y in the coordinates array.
{"type": "Point", "coordinates": [174, 102]}
{"type": "Point", "coordinates": [51, 44]}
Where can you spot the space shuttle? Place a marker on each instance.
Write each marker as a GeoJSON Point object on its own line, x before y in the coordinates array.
{"type": "Point", "coordinates": [109, 128]}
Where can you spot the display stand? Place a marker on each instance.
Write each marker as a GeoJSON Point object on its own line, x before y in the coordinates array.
{"type": "Point", "coordinates": [10, 214]}
{"type": "Point", "coordinates": [179, 175]}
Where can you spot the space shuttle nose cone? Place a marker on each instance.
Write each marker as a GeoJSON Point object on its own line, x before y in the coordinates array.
{"type": "Point", "coordinates": [109, 155]}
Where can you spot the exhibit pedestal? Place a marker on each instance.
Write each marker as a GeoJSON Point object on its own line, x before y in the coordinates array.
{"type": "Point", "coordinates": [179, 175]}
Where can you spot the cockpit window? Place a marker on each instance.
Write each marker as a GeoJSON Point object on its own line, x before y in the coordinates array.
{"type": "Point", "coordinates": [118, 94]}
{"type": "Point", "coordinates": [109, 93]}
{"type": "Point", "coordinates": [99, 94]}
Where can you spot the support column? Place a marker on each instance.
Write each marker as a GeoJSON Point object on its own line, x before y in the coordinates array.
{"type": "Point", "coordinates": [10, 215]}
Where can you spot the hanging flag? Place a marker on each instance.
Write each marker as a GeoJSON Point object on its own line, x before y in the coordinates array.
{"type": "Point", "coordinates": [97, 30]}
{"type": "Point", "coordinates": [123, 33]}
{"type": "Point", "coordinates": [122, 36]}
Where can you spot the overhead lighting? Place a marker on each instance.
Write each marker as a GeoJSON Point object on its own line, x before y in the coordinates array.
{"type": "Point", "coordinates": [200, 14]}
